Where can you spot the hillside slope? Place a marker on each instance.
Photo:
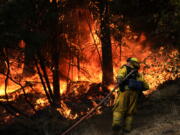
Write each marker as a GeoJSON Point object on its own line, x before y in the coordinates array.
{"type": "Point", "coordinates": [158, 115]}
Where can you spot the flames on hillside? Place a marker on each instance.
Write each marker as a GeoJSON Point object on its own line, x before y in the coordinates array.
{"type": "Point", "coordinates": [157, 66]}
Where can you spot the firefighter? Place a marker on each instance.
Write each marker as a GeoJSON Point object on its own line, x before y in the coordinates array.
{"type": "Point", "coordinates": [126, 102]}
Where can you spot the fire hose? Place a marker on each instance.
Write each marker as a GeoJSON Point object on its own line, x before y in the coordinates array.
{"type": "Point", "coordinates": [93, 109]}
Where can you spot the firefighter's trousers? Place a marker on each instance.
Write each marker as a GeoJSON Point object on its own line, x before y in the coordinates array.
{"type": "Point", "coordinates": [124, 108]}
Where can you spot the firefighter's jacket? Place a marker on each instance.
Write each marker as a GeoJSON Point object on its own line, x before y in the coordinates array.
{"type": "Point", "coordinates": [121, 98]}
{"type": "Point", "coordinates": [123, 72]}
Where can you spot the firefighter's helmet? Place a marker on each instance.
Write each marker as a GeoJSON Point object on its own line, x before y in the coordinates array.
{"type": "Point", "coordinates": [134, 61]}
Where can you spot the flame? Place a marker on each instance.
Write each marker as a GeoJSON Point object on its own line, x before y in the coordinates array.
{"type": "Point", "coordinates": [22, 44]}
{"type": "Point", "coordinates": [66, 111]}
{"type": "Point", "coordinates": [41, 102]}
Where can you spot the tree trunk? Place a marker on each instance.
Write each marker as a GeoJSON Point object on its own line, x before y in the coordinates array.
{"type": "Point", "coordinates": [107, 66]}
{"type": "Point", "coordinates": [56, 55]}
{"type": "Point", "coordinates": [44, 85]}
{"type": "Point", "coordinates": [56, 79]}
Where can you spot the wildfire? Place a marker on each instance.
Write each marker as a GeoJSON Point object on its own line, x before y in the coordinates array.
{"type": "Point", "coordinates": [157, 67]}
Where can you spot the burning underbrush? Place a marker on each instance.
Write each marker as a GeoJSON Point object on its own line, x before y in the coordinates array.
{"type": "Point", "coordinates": [83, 97]}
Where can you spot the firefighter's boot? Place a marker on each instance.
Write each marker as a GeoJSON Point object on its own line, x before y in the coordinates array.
{"type": "Point", "coordinates": [128, 123]}
{"type": "Point", "coordinates": [117, 130]}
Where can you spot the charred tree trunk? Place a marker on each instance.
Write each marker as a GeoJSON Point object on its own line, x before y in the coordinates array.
{"type": "Point", "coordinates": [28, 69]}
{"type": "Point", "coordinates": [56, 51]}
{"type": "Point", "coordinates": [56, 79]}
{"type": "Point", "coordinates": [44, 85]}
{"type": "Point", "coordinates": [8, 73]}
{"type": "Point", "coordinates": [3, 67]}
{"type": "Point", "coordinates": [107, 66]}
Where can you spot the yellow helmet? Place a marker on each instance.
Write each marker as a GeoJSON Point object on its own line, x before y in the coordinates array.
{"type": "Point", "coordinates": [133, 59]}
{"type": "Point", "coordinates": [134, 62]}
